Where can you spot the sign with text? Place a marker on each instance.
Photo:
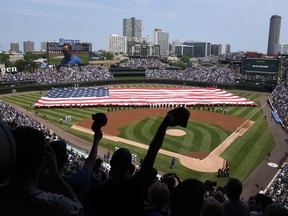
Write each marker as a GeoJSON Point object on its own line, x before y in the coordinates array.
{"type": "Point", "coordinates": [261, 65]}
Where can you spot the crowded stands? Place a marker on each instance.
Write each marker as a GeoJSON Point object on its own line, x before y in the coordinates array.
{"type": "Point", "coordinates": [141, 193]}
{"type": "Point", "coordinates": [155, 69]}
{"type": "Point", "coordinates": [200, 192]}
{"type": "Point", "coordinates": [60, 75]}
{"type": "Point", "coordinates": [279, 102]}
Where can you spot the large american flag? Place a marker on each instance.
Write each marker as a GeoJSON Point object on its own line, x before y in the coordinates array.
{"type": "Point", "coordinates": [139, 96]}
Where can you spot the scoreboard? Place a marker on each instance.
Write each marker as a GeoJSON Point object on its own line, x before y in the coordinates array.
{"type": "Point", "coordinates": [54, 52]}
{"type": "Point", "coordinates": [261, 65]}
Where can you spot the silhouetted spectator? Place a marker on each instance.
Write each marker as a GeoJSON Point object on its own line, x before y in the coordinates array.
{"type": "Point", "coordinates": [158, 200]}
{"type": "Point", "coordinates": [276, 209]}
{"type": "Point", "coordinates": [212, 207]}
{"type": "Point", "coordinates": [187, 198]}
{"type": "Point", "coordinates": [234, 206]}
{"type": "Point", "coordinates": [127, 195]}
{"type": "Point", "coordinates": [79, 181]}
{"type": "Point", "coordinates": [20, 196]}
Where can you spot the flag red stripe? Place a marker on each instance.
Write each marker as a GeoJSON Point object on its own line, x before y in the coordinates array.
{"type": "Point", "coordinates": [124, 96]}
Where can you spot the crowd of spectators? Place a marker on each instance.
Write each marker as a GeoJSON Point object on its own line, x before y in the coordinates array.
{"type": "Point", "coordinates": [210, 60]}
{"type": "Point", "coordinates": [233, 56]}
{"type": "Point", "coordinates": [278, 188]}
{"type": "Point", "coordinates": [211, 74]}
{"type": "Point", "coordinates": [279, 102]}
{"type": "Point", "coordinates": [155, 69]}
{"type": "Point", "coordinates": [160, 192]}
{"type": "Point", "coordinates": [260, 77]}
{"type": "Point", "coordinates": [60, 75]}
{"type": "Point", "coordinates": [159, 197]}
{"type": "Point", "coordinates": [14, 118]}
{"type": "Point", "coordinates": [144, 63]}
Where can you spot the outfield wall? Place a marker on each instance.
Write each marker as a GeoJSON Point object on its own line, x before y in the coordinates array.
{"type": "Point", "coordinates": [234, 86]}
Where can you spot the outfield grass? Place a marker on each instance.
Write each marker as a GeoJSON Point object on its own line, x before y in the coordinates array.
{"type": "Point", "coordinates": [244, 155]}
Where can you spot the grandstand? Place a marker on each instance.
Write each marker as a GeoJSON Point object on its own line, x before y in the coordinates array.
{"type": "Point", "coordinates": [215, 75]}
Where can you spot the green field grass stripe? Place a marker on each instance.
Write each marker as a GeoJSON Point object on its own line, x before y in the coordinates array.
{"type": "Point", "coordinates": [239, 111]}
{"type": "Point", "coordinates": [252, 112]}
{"type": "Point", "coordinates": [187, 140]}
{"type": "Point", "coordinates": [18, 101]}
{"type": "Point", "coordinates": [198, 138]}
{"type": "Point", "coordinates": [27, 98]}
{"type": "Point", "coordinates": [51, 114]}
{"type": "Point", "coordinates": [232, 110]}
{"type": "Point", "coordinates": [255, 98]}
{"type": "Point", "coordinates": [207, 138]}
{"type": "Point", "coordinates": [127, 132]}
{"type": "Point", "coordinates": [247, 113]}
{"type": "Point", "coordinates": [151, 125]}
{"type": "Point", "coordinates": [254, 154]}
{"type": "Point", "coordinates": [142, 130]}
{"type": "Point", "coordinates": [74, 113]}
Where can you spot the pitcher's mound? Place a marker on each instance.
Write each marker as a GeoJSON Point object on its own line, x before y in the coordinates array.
{"type": "Point", "coordinates": [175, 132]}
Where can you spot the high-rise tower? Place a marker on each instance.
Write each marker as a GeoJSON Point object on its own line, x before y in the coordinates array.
{"type": "Point", "coordinates": [162, 38]}
{"type": "Point", "coordinates": [274, 34]}
{"type": "Point", "coordinates": [28, 46]}
{"type": "Point", "coordinates": [14, 47]}
{"type": "Point", "coordinates": [132, 28]}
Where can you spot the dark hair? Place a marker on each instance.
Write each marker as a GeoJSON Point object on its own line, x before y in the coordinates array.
{"type": "Point", "coordinates": [276, 209]}
{"type": "Point", "coordinates": [121, 161]}
{"type": "Point", "coordinates": [67, 44]}
{"type": "Point", "coordinates": [8, 151]}
{"type": "Point", "coordinates": [98, 162]}
{"type": "Point", "coordinates": [30, 149]}
{"type": "Point", "coordinates": [234, 187]}
{"type": "Point", "coordinates": [187, 198]}
{"type": "Point", "coordinates": [60, 149]}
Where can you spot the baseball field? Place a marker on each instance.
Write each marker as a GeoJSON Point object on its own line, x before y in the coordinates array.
{"type": "Point", "coordinates": [241, 136]}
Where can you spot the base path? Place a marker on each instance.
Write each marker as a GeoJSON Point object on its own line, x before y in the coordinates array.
{"type": "Point", "coordinates": [199, 161]}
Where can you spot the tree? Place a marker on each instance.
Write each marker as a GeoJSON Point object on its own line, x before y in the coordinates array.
{"type": "Point", "coordinates": [185, 59]}
{"type": "Point", "coordinates": [181, 64]}
{"type": "Point", "coordinates": [4, 58]}
{"type": "Point", "coordinates": [107, 55]}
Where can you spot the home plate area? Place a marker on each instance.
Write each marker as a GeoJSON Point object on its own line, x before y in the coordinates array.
{"type": "Point", "coordinates": [199, 161]}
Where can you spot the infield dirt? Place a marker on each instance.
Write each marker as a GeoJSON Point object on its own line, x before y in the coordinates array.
{"type": "Point", "coordinates": [199, 161]}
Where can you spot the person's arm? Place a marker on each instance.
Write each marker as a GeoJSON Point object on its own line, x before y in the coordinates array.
{"type": "Point", "coordinates": [173, 118]}
{"type": "Point", "coordinates": [63, 187]}
{"type": "Point", "coordinates": [99, 120]}
{"type": "Point", "coordinates": [90, 161]}
{"type": "Point", "coordinates": [156, 143]}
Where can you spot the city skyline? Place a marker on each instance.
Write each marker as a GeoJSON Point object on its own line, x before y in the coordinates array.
{"type": "Point", "coordinates": [244, 25]}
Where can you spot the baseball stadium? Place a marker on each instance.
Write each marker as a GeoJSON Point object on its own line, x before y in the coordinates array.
{"type": "Point", "coordinates": [237, 114]}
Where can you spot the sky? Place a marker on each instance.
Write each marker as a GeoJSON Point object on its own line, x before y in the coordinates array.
{"type": "Point", "coordinates": [244, 24]}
